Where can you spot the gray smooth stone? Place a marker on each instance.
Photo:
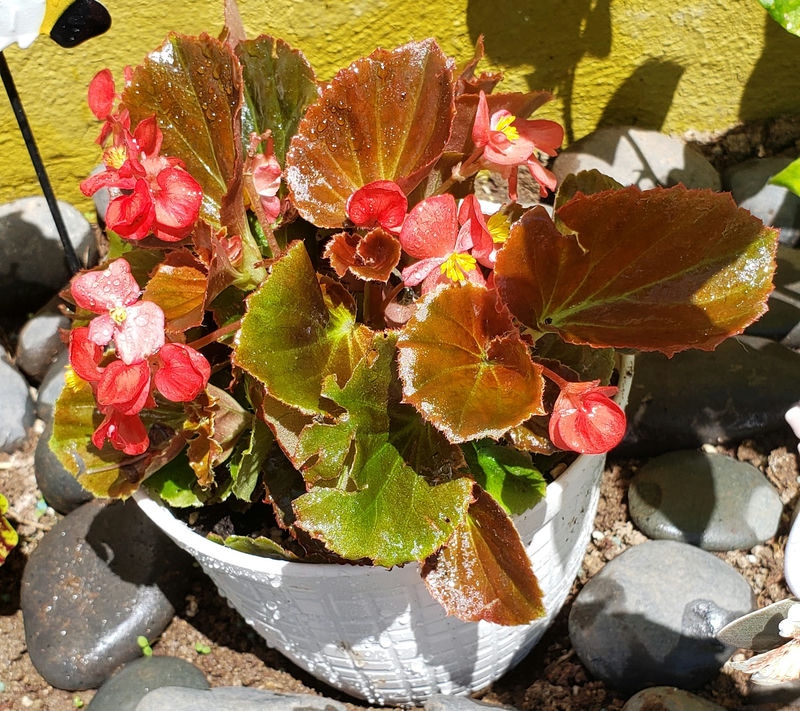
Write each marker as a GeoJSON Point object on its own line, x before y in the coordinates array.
{"type": "Point", "coordinates": [32, 263]}
{"type": "Point", "coordinates": [17, 410]}
{"type": "Point", "coordinates": [708, 500]}
{"type": "Point", "coordinates": [444, 702]}
{"type": "Point", "coordinates": [39, 343]}
{"type": "Point", "coordinates": [232, 698]}
{"type": "Point", "coordinates": [741, 389]}
{"type": "Point", "coordinates": [101, 577]}
{"type": "Point", "coordinates": [51, 386]}
{"type": "Point", "coordinates": [59, 487]}
{"type": "Point", "coordinates": [635, 156]}
{"type": "Point", "coordinates": [650, 616]}
{"type": "Point", "coordinates": [668, 698]}
{"type": "Point", "coordinates": [774, 205]}
{"type": "Point", "coordinates": [124, 690]}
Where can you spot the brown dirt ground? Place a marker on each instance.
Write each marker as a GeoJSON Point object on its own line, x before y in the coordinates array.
{"type": "Point", "coordinates": [551, 678]}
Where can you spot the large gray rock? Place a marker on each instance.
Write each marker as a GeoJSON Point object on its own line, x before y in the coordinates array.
{"type": "Point", "coordinates": [39, 342]}
{"type": "Point", "coordinates": [635, 156]}
{"type": "Point", "coordinates": [16, 406]}
{"type": "Point", "coordinates": [97, 580]}
{"type": "Point", "coordinates": [124, 690]}
{"type": "Point", "coordinates": [232, 698]}
{"type": "Point", "coordinates": [51, 386]}
{"type": "Point", "coordinates": [708, 500]}
{"type": "Point", "coordinates": [668, 698]}
{"type": "Point", "coordinates": [32, 263]}
{"type": "Point", "coordinates": [741, 389]}
{"type": "Point", "coordinates": [782, 320]}
{"type": "Point", "coordinates": [60, 489]}
{"type": "Point", "coordinates": [650, 616]}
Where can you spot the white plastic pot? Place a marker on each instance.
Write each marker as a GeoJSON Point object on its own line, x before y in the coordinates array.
{"type": "Point", "coordinates": [376, 633]}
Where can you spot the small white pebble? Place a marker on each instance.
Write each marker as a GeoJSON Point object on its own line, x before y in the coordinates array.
{"type": "Point", "coordinates": [598, 535]}
{"type": "Point", "coordinates": [752, 559]}
{"type": "Point", "coordinates": [26, 701]}
{"type": "Point", "coordinates": [709, 448]}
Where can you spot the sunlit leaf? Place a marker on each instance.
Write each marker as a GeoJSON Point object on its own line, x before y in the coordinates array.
{"type": "Point", "coordinates": [785, 12]}
{"type": "Point", "coordinates": [8, 536]}
{"type": "Point", "coordinates": [179, 287]}
{"type": "Point", "coordinates": [789, 177]}
{"type": "Point", "coordinates": [194, 87]}
{"type": "Point", "coordinates": [291, 338]}
{"type": "Point", "coordinates": [396, 518]}
{"type": "Point", "coordinates": [483, 573]}
{"type": "Point", "coordinates": [506, 474]}
{"type": "Point", "coordinates": [665, 269]}
{"type": "Point", "coordinates": [385, 117]}
{"type": "Point", "coordinates": [260, 546]}
{"type": "Point", "coordinates": [279, 85]}
{"type": "Point", "coordinates": [247, 461]}
{"type": "Point", "coordinates": [464, 366]}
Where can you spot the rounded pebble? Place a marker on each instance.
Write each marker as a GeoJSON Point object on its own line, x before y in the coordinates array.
{"type": "Point", "coordinates": [650, 616]}
{"type": "Point", "coordinates": [708, 500]}
{"type": "Point", "coordinates": [668, 698]}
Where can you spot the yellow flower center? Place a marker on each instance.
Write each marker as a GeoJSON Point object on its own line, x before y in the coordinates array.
{"type": "Point", "coordinates": [499, 225]}
{"type": "Point", "coordinates": [456, 267]}
{"type": "Point", "coordinates": [118, 314]}
{"type": "Point", "coordinates": [115, 156]}
{"type": "Point", "coordinates": [505, 127]}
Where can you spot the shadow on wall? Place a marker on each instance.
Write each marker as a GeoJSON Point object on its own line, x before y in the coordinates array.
{"type": "Point", "coordinates": [551, 35]}
{"type": "Point", "coordinates": [773, 87]}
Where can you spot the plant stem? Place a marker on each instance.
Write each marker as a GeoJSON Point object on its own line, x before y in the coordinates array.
{"type": "Point", "coordinates": [215, 335]}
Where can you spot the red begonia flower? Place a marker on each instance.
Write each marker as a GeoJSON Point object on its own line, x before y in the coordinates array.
{"type": "Point", "coordinates": [125, 432]}
{"type": "Point", "coordinates": [432, 235]}
{"type": "Point", "coordinates": [508, 142]}
{"type": "Point", "coordinates": [267, 177]}
{"type": "Point", "coordinates": [102, 94]}
{"type": "Point", "coordinates": [183, 372]}
{"type": "Point", "coordinates": [126, 388]}
{"type": "Point", "coordinates": [381, 203]}
{"type": "Point", "coordinates": [585, 419]}
{"type": "Point", "coordinates": [136, 327]}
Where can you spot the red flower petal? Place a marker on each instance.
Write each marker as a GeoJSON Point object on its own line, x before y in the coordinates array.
{"type": "Point", "coordinates": [380, 203]}
{"type": "Point", "coordinates": [177, 204]}
{"type": "Point", "coordinates": [431, 228]}
{"type": "Point", "coordinates": [183, 372]}
{"type": "Point", "coordinates": [586, 420]}
{"type": "Point", "coordinates": [141, 334]}
{"type": "Point", "coordinates": [132, 215]}
{"type": "Point", "coordinates": [101, 291]}
{"type": "Point", "coordinates": [126, 388]}
{"type": "Point", "coordinates": [84, 355]}
{"type": "Point", "coordinates": [102, 94]}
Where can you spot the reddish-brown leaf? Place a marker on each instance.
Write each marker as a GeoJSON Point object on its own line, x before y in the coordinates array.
{"type": "Point", "coordinates": [483, 571]}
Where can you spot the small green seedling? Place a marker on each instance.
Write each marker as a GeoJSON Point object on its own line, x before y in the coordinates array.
{"type": "Point", "coordinates": [201, 648]}
{"type": "Point", "coordinates": [147, 650]}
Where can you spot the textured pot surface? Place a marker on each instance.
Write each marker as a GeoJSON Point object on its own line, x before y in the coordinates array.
{"type": "Point", "coordinates": [376, 633]}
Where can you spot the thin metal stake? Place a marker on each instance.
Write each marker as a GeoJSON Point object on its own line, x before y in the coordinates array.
{"type": "Point", "coordinates": [73, 263]}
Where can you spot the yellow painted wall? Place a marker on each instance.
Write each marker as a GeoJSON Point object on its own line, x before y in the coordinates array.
{"type": "Point", "coordinates": [662, 64]}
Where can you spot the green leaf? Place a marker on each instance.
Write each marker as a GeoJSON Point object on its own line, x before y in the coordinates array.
{"type": "Point", "coordinates": [785, 12]}
{"type": "Point", "coordinates": [8, 536]}
{"type": "Point", "coordinates": [483, 573]}
{"type": "Point", "coordinates": [246, 465]}
{"type": "Point", "coordinates": [506, 474]}
{"type": "Point", "coordinates": [260, 546]}
{"type": "Point", "coordinates": [789, 177]}
{"type": "Point", "coordinates": [385, 117]}
{"type": "Point", "coordinates": [395, 518]}
{"type": "Point", "coordinates": [292, 338]}
{"type": "Point", "coordinates": [666, 269]}
{"type": "Point", "coordinates": [194, 87]}
{"type": "Point", "coordinates": [279, 85]}
{"type": "Point", "coordinates": [464, 366]}
{"type": "Point", "coordinates": [176, 484]}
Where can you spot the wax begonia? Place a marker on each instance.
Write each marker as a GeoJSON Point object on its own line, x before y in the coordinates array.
{"type": "Point", "coordinates": [508, 142]}
{"type": "Point", "coordinates": [136, 327]}
{"type": "Point", "coordinates": [585, 419]}
{"type": "Point", "coordinates": [266, 177]}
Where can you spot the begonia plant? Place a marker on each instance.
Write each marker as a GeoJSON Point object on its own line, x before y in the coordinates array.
{"type": "Point", "coordinates": [306, 311]}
